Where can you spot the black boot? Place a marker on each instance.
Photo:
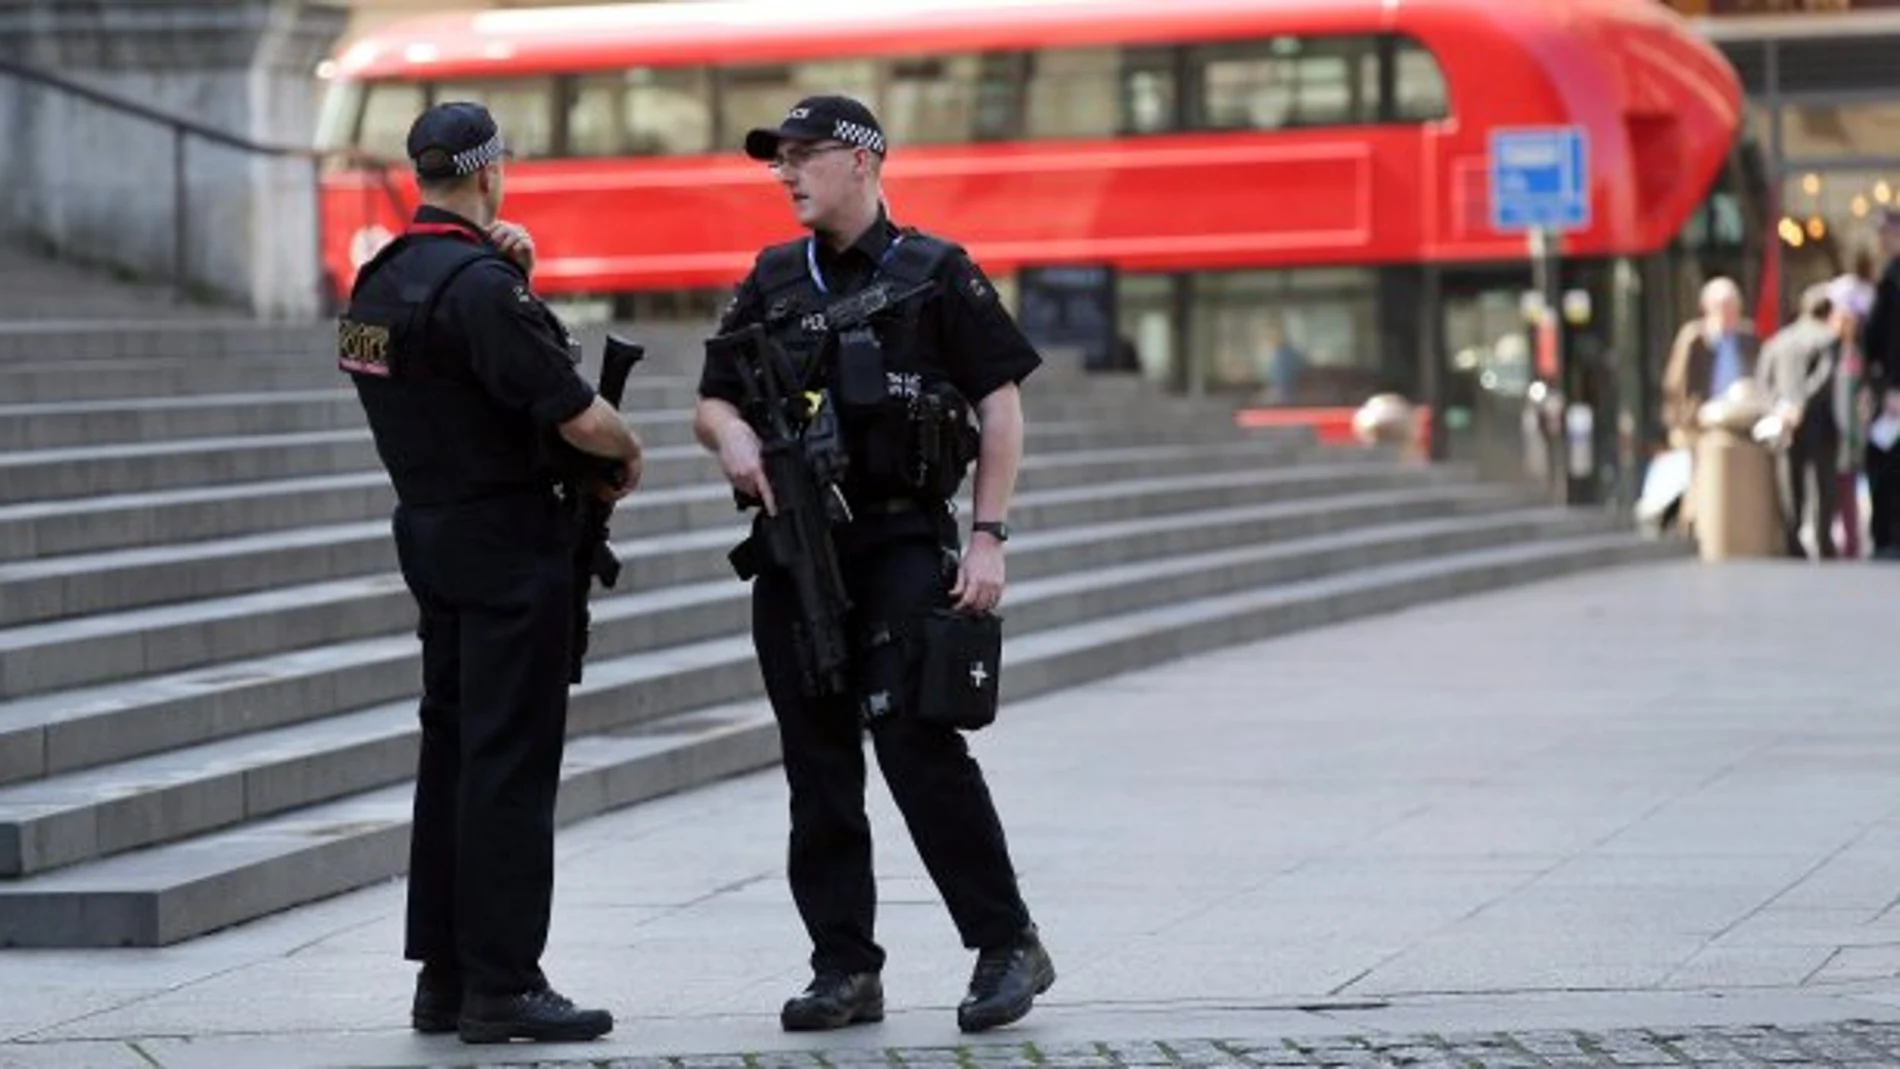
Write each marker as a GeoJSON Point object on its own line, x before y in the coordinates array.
{"type": "Point", "coordinates": [1005, 984]}
{"type": "Point", "coordinates": [438, 1003]}
{"type": "Point", "coordinates": [834, 1000]}
{"type": "Point", "coordinates": [542, 1015]}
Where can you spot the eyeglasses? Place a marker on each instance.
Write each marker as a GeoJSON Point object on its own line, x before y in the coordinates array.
{"type": "Point", "coordinates": [795, 159]}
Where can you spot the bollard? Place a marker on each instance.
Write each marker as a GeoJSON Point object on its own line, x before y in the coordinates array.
{"type": "Point", "coordinates": [1737, 507]}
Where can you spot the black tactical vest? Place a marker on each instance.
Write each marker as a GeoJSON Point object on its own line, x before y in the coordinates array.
{"type": "Point", "coordinates": [875, 371]}
{"type": "Point", "coordinates": [441, 436]}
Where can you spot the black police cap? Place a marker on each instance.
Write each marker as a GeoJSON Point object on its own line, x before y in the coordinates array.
{"type": "Point", "coordinates": [454, 139]}
{"type": "Point", "coordinates": [819, 118]}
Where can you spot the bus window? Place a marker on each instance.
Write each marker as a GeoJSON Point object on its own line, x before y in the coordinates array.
{"type": "Point", "coordinates": [522, 107]}
{"type": "Point", "coordinates": [1306, 335]}
{"type": "Point", "coordinates": [1073, 92]}
{"type": "Point", "coordinates": [758, 96]}
{"type": "Point", "coordinates": [1418, 85]}
{"type": "Point", "coordinates": [1149, 94]}
{"type": "Point", "coordinates": [999, 95]}
{"type": "Point", "coordinates": [1284, 82]}
{"type": "Point", "coordinates": [932, 100]}
{"type": "Point", "coordinates": [389, 110]}
{"type": "Point", "coordinates": [342, 102]}
{"type": "Point", "coordinates": [1145, 310]}
{"type": "Point", "coordinates": [1337, 81]}
{"type": "Point", "coordinates": [640, 112]}
{"type": "Point", "coordinates": [596, 117]}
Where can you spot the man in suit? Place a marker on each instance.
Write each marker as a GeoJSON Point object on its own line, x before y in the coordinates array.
{"type": "Point", "coordinates": [1798, 368]}
{"type": "Point", "coordinates": [1709, 355]}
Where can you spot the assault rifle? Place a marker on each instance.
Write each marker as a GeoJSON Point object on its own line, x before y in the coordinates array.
{"type": "Point", "coordinates": [870, 302]}
{"type": "Point", "coordinates": [804, 461]}
{"type": "Point", "coordinates": [593, 553]}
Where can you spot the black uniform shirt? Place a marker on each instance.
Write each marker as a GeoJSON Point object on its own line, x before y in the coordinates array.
{"type": "Point", "coordinates": [513, 345]}
{"type": "Point", "coordinates": [500, 378]}
{"type": "Point", "coordinates": [963, 331]}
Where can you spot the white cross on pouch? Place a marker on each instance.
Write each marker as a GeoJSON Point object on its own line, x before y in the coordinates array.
{"type": "Point", "coordinates": [978, 675]}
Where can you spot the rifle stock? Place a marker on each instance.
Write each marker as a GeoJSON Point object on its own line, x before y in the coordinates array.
{"type": "Point", "coordinates": [593, 554]}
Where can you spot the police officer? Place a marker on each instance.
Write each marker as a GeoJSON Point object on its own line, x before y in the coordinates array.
{"type": "Point", "coordinates": [900, 558]}
{"type": "Point", "coordinates": [468, 381]}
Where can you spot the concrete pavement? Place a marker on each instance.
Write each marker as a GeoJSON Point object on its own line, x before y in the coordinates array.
{"type": "Point", "coordinates": [1653, 811]}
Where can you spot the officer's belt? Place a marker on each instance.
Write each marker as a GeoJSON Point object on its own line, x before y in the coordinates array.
{"type": "Point", "coordinates": [887, 506]}
{"type": "Point", "coordinates": [522, 494]}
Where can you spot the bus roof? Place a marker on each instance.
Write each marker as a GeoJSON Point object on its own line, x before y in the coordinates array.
{"type": "Point", "coordinates": [518, 40]}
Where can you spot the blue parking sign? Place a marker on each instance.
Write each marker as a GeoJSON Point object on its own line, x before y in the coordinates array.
{"type": "Point", "coordinates": [1540, 177]}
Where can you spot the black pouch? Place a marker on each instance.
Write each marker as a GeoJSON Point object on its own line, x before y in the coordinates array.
{"type": "Point", "coordinates": [961, 657]}
{"type": "Point", "coordinates": [861, 382]}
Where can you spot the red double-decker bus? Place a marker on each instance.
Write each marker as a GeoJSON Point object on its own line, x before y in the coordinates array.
{"type": "Point", "coordinates": [1290, 196]}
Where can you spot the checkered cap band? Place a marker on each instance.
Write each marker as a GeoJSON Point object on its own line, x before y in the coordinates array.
{"type": "Point", "coordinates": [858, 134]}
{"type": "Point", "coordinates": [471, 160]}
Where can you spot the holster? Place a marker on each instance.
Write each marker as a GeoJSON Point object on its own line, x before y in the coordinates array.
{"type": "Point", "coordinates": [960, 662]}
{"type": "Point", "coordinates": [942, 443]}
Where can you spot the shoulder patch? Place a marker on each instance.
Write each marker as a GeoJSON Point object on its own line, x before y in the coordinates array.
{"type": "Point", "coordinates": [363, 348]}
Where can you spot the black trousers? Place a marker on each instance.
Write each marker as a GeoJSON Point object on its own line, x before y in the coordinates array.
{"type": "Point", "coordinates": [1883, 493]}
{"type": "Point", "coordinates": [892, 576]}
{"type": "Point", "coordinates": [493, 586]}
{"type": "Point", "coordinates": [1806, 473]}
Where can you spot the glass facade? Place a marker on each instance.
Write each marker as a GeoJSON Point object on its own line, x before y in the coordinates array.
{"type": "Point", "coordinates": [1829, 222]}
{"type": "Point", "coordinates": [1306, 336]}
{"type": "Point", "coordinates": [1824, 109]}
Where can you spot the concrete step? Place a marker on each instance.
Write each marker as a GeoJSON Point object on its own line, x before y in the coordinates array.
{"type": "Point", "coordinates": [80, 816]}
{"type": "Point", "coordinates": [40, 529]}
{"type": "Point", "coordinates": [660, 407]}
{"type": "Point", "coordinates": [81, 651]}
{"type": "Point", "coordinates": [53, 363]}
{"type": "Point", "coordinates": [88, 471]}
{"type": "Point", "coordinates": [134, 377]}
{"type": "Point", "coordinates": [54, 474]}
{"type": "Point", "coordinates": [63, 730]}
{"type": "Point", "coordinates": [163, 894]}
{"type": "Point", "coordinates": [35, 287]}
{"type": "Point", "coordinates": [661, 413]}
{"type": "Point", "coordinates": [82, 423]}
{"type": "Point", "coordinates": [68, 347]}
{"type": "Point", "coordinates": [51, 344]}
{"type": "Point", "coordinates": [53, 588]}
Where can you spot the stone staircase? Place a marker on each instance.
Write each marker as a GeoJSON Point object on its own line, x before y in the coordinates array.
{"type": "Point", "coordinates": [207, 659]}
{"type": "Point", "coordinates": [41, 289]}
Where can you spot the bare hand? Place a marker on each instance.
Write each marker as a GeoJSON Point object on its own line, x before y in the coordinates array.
{"type": "Point", "coordinates": [739, 457]}
{"type": "Point", "coordinates": [979, 586]}
{"type": "Point", "coordinates": [513, 241]}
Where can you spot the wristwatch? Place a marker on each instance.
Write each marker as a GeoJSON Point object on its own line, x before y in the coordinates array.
{"type": "Point", "coordinates": [997, 529]}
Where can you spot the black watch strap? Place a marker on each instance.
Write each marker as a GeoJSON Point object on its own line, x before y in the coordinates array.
{"type": "Point", "coordinates": [996, 528]}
